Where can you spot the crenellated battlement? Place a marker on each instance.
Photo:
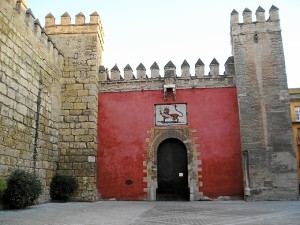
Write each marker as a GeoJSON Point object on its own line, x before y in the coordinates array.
{"type": "Point", "coordinates": [130, 81]}
{"type": "Point", "coordinates": [35, 25]}
{"type": "Point", "coordinates": [79, 27]}
{"type": "Point", "coordinates": [32, 27]}
{"type": "Point", "coordinates": [258, 25]}
{"type": "Point", "coordinates": [80, 19]}
{"type": "Point", "coordinates": [169, 71]}
{"type": "Point", "coordinates": [260, 15]}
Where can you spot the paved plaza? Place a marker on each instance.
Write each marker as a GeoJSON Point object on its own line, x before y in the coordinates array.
{"type": "Point", "coordinates": [146, 213]}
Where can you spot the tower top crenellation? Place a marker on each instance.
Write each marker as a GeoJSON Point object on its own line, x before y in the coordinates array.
{"type": "Point", "coordinates": [257, 26]}
{"type": "Point", "coordinates": [79, 27]}
{"type": "Point", "coordinates": [80, 19]}
{"type": "Point", "coordinates": [260, 15]}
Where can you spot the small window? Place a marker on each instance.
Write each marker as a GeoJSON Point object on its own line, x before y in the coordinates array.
{"type": "Point", "coordinates": [255, 38]}
{"type": "Point", "coordinates": [297, 114]}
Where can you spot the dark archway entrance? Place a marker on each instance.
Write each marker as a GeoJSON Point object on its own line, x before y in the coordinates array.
{"type": "Point", "coordinates": [172, 171]}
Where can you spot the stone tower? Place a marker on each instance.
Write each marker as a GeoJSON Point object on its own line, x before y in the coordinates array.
{"type": "Point", "coordinates": [82, 46]}
{"type": "Point", "coordinates": [265, 123]}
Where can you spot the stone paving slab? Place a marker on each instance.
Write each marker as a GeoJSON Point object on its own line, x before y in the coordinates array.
{"type": "Point", "coordinates": [164, 213]}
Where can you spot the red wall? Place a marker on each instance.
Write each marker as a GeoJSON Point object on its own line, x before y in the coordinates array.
{"type": "Point", "coordinates": [124, 119]}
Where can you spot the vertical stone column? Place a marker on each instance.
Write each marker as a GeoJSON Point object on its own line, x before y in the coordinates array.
{"type": "Point", "coordinates": [265, 123]}
{"type": "Point", "coordinates": [82, 46]}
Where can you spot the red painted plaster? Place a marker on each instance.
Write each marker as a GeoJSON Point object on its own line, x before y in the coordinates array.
{"type": "Point", "coordinates": [124, 119]}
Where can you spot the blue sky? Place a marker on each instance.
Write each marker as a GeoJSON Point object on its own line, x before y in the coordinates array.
{"type": "Point", "coordinates": [161, 30]}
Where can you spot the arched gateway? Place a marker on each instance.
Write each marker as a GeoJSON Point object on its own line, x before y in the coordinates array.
{"type": "Point", "coordinates": [172, 165]}
{"type": "Point", "coordinates": [172, 171]}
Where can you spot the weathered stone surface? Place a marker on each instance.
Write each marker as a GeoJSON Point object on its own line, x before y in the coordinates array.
{"type": "Point", "coordinates": [29, 97]}
{"type": "Point", "coordinates": [266, 132]}
{"type": "Point", "coordinates": [80, 97]}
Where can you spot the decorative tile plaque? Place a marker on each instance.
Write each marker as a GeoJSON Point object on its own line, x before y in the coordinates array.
{"type": "Point", "coordinates": [170, 114]}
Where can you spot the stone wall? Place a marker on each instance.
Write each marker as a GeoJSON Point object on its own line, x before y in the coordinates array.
{"type": "Point", "coordinates": [30, 73]}
{"type": "Point", "coordinates": [82, 45]}
{"type": "Point", "coordinates": [266, 129]}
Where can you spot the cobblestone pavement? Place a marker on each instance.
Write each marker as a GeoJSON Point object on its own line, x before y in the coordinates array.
{"type": "Point", "coordinates": [164, 213]}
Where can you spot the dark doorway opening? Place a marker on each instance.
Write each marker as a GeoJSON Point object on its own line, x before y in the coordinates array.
{"type": "Point", "coordinates": [172, 171]}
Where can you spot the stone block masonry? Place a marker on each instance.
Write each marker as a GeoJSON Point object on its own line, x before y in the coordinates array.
{"type": "Point", "coordinates": [30, 73]}
{"type": "Point", "coordinates": [266, 128]}
{"type": "Point", "coordinates": [82, 44]}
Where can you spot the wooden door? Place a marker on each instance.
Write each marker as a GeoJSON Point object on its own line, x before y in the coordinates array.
{"type": "Point", "coordinates": [172, 171]}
